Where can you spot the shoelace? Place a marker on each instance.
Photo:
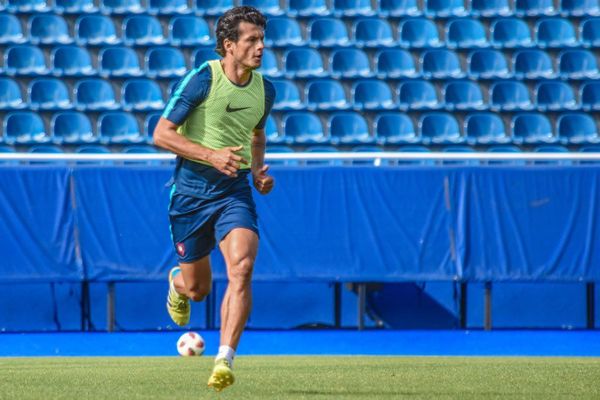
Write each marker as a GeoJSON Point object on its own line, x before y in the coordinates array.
{"type": "Point", "coordinates": [178, 303]}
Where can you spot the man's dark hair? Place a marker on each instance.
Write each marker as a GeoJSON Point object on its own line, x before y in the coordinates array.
{"type": "Point", "coordinates": [228, 24]}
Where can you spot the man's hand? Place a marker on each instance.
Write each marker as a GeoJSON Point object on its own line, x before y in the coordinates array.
{"type": "Point", "coordinates": [263, 182]}
{"type": "Point", "coordinates": [226, 161]}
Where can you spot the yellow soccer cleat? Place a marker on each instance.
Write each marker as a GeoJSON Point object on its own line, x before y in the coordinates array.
{"type": "Point", "coordinates": [178, 305]}
{"type": "Point", "coordinates": [222, 375]}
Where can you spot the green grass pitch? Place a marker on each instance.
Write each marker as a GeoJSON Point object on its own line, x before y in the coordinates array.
{"type": "Point", "coordinates": [283, 377]}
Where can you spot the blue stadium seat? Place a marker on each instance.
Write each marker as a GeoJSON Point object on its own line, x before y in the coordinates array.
{"type": "Point", "coordinates": [510, 33]}
{"type": "Point", "coordinates": [24, 60]}
{"type": "Point", "coordinates": [48, 94]}
{"type": "Point", "coordinates": [577, 128]}
{"type": "Point", "coordinates": [283, 32]}
{"type": "Point", "coordinates": [71, 127]}
{"type": "Point", "coordinates": [95, 95]}
{"type": "Point", "coordinates": [399, 8]}
{"type": "Point", "coordinates": [555, 33]}
{"type": "Point", "coordinates": [590, 96]}
{"type": "Point", "coordinates": [71, 61]}
{"type": "Point", "coordinates": [577, 64]}
{"type": "Point", "coordinates": [348, 128]}
{"type": "Point", "coordinates": [10, 30]}
{"type": "Point", "coordinates": [142, 30]}
{"type": "Point", "coordinates": [349, 63]}
{"type": "Point", "coordinates": [27, 6]}
{"type": "Point", "coordinates": [552, 149]}
{"type": "Point", "coordinates": [490, 8]}
{"type": "Point", "coordinates": [141, 149]}
{"type": "Point", "coordinates": [328, 32]}
{"type": "Point", "coordinates": [439, 128]}
{"type": "Point", "coordinates": [487, 64]}
{"type": "Point", "coordinates": [589, 149]}
{"type": "Point", "coordinates": [141, 95]}
{"type": "Point", "coordinates": [272, 131]}
{"type": "Point", "coordinates": [323, 149]}
{"type": "Point", "coordinates": [308, 8]}
{"type": "Point", "coordinates": [200, 56]}
{"type": "Point", "coordinates": [95, 30]}
{"type": "Point", "coordinates": [119, 127]}
{"type": "Point", "coordinates": [418, 33]}
{"type": "Point", "coordinates": [394, 128]}
{"type": "Point", "coordinates": [189, 31]}
{"type": "Point", "coordinates": [510, 96]}
{"type": "Point", "coordinates": [372, 32]}
{"type": "Point", "coordinates": [372, 95]}
{"type": "Point", "coordinates": [445, 8]}
{"type": "Point", "coordinates": [415, 149]}
{"type": "Point", "coordinates": [459, 149]}
{"type": "Point", "coordinates": [326, 94]}
{"type": "Point", "coordinates": [168, 7]}
{"type": "Point", "coordinates": [165, 62]}
{"type": "Point", "coordinates": [532, 64]}
{"type": "Point", "coordinates": [7, 149]}
{"type": "Point", "coordinates": [532, 128]}
{"type": "Point", "coordinates": [463, 95]}
{"type": "Point", "coordinates": [270, 66]}
{"type": "Point", "coordinates": [505, 149]}
{"type": "Point", "coordinates": [589, 32]}
{"type": "Point", "coordinates": [303, 63]}
{"type": "Point", "coordinates": [579, 8]}
{"type": "Point", "coordinates": [352, 8]}
{"type": "Point", "coordinates": [534, 8]}
{"type": "Point", "coordinates": [303, 128]}
{"type": "Point", "coordinates": [213, 7]}
{"type": "Point", "coordinates": [465, 34]}
{"type": "Point", "coordinates": [10, 95]}
{"type": "Point", "coordinates": [75, 7]}
{"type": "Point", "coordinates": [395, 63]}
{"type": "Point", "coordinates": [281, 149]}
{"type": "Point", "coordinates": [121, 7]}
{"type": "Point", "coordinates": [417, 95]}
{"type": "Point", "coordinates": [150, 123]}
{"type": "Point", "coordinates": [46, 149]}
{"type": "Point", "coordinates": [287, 95]}
{"type": "Point", "coordinates": [441, 64]}
{"type": "Point", "coordinates": [119, 62]}
{"type": "Point", "coordinates": [371, 161]}
{"type": "Point", "coordinates": [270, 8]}
{"type": "Point", "coordinates": [93, 149]}
{"type": "Point", "coordinates": [48, 29]}
{"type": "Point", "coordinates": [485, 128]}
{"type": "Point", "coordinates": [24, 127]}
{"type": "Point", "coordinates": [553, 96]}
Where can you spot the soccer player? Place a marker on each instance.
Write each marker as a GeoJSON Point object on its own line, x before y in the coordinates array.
{"type": "Point", "coordinates": [214, 122]}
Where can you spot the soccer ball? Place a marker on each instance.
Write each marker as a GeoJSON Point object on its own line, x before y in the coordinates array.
{"type": "Point", "coordinates": [190, 344]}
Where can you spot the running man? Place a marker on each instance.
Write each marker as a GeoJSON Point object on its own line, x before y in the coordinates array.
{"type": "Point", "coordinates": [214, 122]}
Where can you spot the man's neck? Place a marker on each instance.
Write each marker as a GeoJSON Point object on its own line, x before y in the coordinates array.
{"type": "Point", "coordinates": [235, 72]}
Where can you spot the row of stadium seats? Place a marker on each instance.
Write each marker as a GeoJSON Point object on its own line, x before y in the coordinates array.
{"type": "Point", "coordinates": [302, 128]}
{"type": "Point", "coordinates": [308, 8]}
{"type": "Point", "coordinates": [319, 95]}
{"type": "Point", "coordinates": [145, 30]}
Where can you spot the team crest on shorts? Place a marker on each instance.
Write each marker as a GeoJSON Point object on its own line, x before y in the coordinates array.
{"type": "Point", "coordinates": [180, 249]}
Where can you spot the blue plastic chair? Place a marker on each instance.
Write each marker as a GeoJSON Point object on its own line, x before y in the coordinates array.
{"type": "Point", "coordinates": [555, 33]}
{"type": "Point", "coordinates": [141, 149]}
{"type": "Point", "coordinates": [372, 32]}
{"type": "Point", "coordinates": [589, 149]}
{"type": "Point", "coordinates": [24, 60]}
{"type": "Point", "coordinates": [554, 96]}
{"type": "Point", "coordinates": [48, 29]}
{"type": "Point", "coordinates": [93, 149]}
{"type": "Point", "coordinates": [7, 149]}
{"type": "Point", "coordinates": [303, 128]}
{"type": "Point", "coordinates": [200, 56]}
{"type": "Point", "coordinates": [349, 63]}
{"type": "Point", "coordinates": [24, 127]}
{"type": "Point", "coordinates": [27, 6]}
{"type": "Point", "coordinates": [485, 128]}
{"type": "Point", "coordinates": [119, 128]}
{"type": "Point", "coordinates": [487, 64]}
{"type": "Point", "coordinates": [510, 96]}
{"type": "Point", "coordinates": [95, 95]}
{"type": "Point", "coordinates": [589, 32]}
{"type": "Point", "coordinates": [459, 149]}
{"type": "Point", "coordinates": [328, 32]}
{"type": "Point", "coordinates": [189, 31]}
{"type": "Point", "coordinates": [272, 131]}
{"type": "Point", "coordinates": [76, 7]}
{"type": "Point", "coordinates": [445, 8]}
{"type": "Point", "coordinates": [370, 161]}
{"type": "Point", "coordinates": [579, 8]}
{"type": "Point", "coordinates": [394, 128]}
{"type": "Point", "coordinates": [590, 96]}
{"type": "Point", "coordinates": [46, 149]}
{"type": "Point", "coordinates": [165, 62]}
{"type": "Point", "coordinates": [352, 8]}
{"type": "Point", "coordinates": [323, 149]}
{"type": "Point", "coordinates": [96, 30]}
{"type": "Point", "coordinates": [463, 95]}
{"type": "Point", "coordinates": [150, 123]}
{"type": "Point", "coordinates": [168, 7]}
{"type": "Point", "coordinates": [303, 63]}
{"type": "Point", "coordinates": [71, 61]}
{"type": "Point", "coordinates": [281, 149]}
{"type": "Point", "coordinates": [269, 66]}
{"type": "Point", "coordinates": [10, 95]}
{"type": "Point", "coordinates": [577, 64]}
{"type": "Point", "coordinates": [10, 30]}
{"type": "Point", "coordinates": [141, 95]}
{"type": "Point", "coordinates": [121, 7]}
{"type": "Point", "coordinates": [372, 95]}
{"type": "Point", "coordinates": [465, 34]}
{"type": "Point", "coordinates": [348, 128]}
{"type": "Point", "coordinates": [441, 64]}
{"type": "Point", "coordinates": [532, 64]}
{"type": "Point", "coordinates": [119, 62]}
{"type": "Point", "coordinates": [213, 7]}
{"type": "Point", "coordinates": [417, 95]}
{"type": "Point", "coordinates": [399, 8]}
{"type": "Point", "coordinates": [395, 63]}
{"type": "Point", "coordinates": [510, 33]}
{"type": "Point", "coordinates": [308, 8]}
{"type": "Point", "coordinates": [505, 149]}
{"type": "Point", "coordinates": [532, 128]}
{"type": "Point", "coordinates": [71, 127]}
{"type": "Point", "coordinates": [415, 149]}
{"type": "Point", "coordinates": [142, 30]}
{"type": "Point", "coordinates": [552, 149]}
{"type": "Point", "coordinates": [270, 8]}
{"type": "Point", "coordinates": [287, 95]}
{"type": "Point", "coordinates": [283, 32]}
{"type": "Point", "coordinates": [490, 8]}
{"type": "Point", "coordinates": [418, 33]}
{"type": "Point", "coordinates": [48, 94]}
{"type": "Point", "coordinates": [326, 94]}
{"type": "Point", "coordinates": [534, 8]}
{"type": "Point", "coordinates": [439, 128]}
{"type": "Point", "coordinates": [577, 128]}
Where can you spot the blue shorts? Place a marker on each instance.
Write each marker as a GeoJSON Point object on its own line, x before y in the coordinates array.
{"type": "Point", "coordinates": [205, 205]}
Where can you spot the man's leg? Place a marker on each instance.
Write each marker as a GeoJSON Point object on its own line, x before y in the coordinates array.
{"type": "Point", "coordinates": [189, 281]}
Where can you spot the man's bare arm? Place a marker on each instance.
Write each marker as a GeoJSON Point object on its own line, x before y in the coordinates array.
{"type": "Point", "coordinates": [259, 143]}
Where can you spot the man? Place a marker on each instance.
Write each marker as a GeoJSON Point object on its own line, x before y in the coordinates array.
{"type": "Point", "coordinates": [215, 123]}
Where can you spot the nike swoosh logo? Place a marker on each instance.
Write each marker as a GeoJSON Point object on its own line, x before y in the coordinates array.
{"type": "Point", "coordinates": [232, 109]}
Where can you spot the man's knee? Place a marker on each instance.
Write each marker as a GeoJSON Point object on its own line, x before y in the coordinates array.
{"type": "Point", "coordinates": [240, 270]}
{"type": "Point", "coordinates": [197, 292]}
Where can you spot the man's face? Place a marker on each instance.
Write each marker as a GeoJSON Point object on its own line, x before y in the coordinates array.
{"type": "Point", "coordinates": [248, 50]}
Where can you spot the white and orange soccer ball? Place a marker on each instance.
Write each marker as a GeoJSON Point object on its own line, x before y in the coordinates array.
{"type": "Point", "coordinates": [190, 344]}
